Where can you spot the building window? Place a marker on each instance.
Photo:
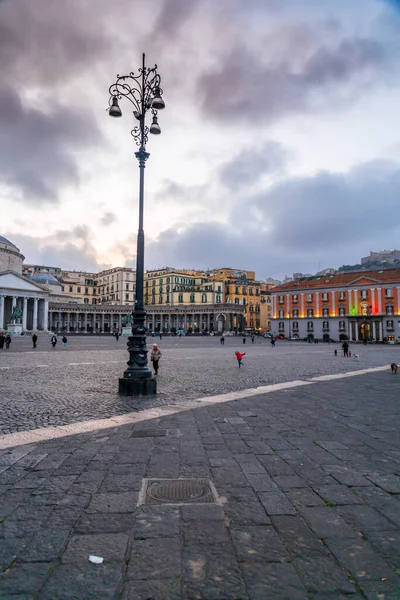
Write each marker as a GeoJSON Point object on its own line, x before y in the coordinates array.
{"type": "Point", "coordinates": [167, 300]}
{"type": "Point", "coordinates": [309, 297]}
{"type": "Point", "coordinates": [71, 289]}
{"type": "Point", "coordinates": [244, 301]}
{"type": "Point", "coordinates": [295, 326]}
{"type": "Point", "coordinates": [180, 298]}
{"type": "Point", "coordinates": [192, 298]}
{"type": "Point", "coordinates": [126, 296]}
{"type": "Point", "coordinates": [342, 312]}
{"type": "Point", "coordinates": [389, 293]}
{"type": "Point", "coordinates": [281, 299]}
{"type": "Point", "coordinates": [127, 286]}
{"type": "Point", "coordinates": [86, 290]}
{"type": "Point", "coordinates": [364, 294]}
{"type": "Point", "coordinates": [325, 312]}
{"type": "Point", "coordinates": [310, 326]}
{"type": "Point", "coordinates": [342, 295]}
{"type": "Point", "coordinates": [325, 325]}
{"type": "Point", "coordinates": [295, 298]}
{"type": "Point", "coordinates": [281, 314]}
{"type": "Point", "coordinates": [204, 297]}
{"type": "Point", "coordinates": [218, 298]}
{"type": "Point", "coordinates": [389, 309]}
{"type": "Point", "coordinates": [342, 325]}
{"type": "Point", "coordinates": [325, 296]}
{"type": "Point", "coordinates": [79, 290]}
{"type": "Point", "coordinates": [86, 301]}
{"type": "Point", "coordinates": [62, 288]}
{"type": "Point", "coordinates": [281, 326]}
{"type": "Point", "coordinates": [389, 325]}
{"type": "Point", "coordinates": [237, 301]}
{"type": "Point", "coordinates": [310, 312]}
{"type": "Point", "coordinates": [295, 313]}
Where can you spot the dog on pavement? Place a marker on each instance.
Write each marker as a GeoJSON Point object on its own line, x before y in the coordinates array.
{"type": "Point", "coordinates": [356, 356]}
{"type": "Point", "coordinates": [394, 368]}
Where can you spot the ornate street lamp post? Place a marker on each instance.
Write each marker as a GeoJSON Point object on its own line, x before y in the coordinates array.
{"type": "Point", "coordinates": [144, 92]}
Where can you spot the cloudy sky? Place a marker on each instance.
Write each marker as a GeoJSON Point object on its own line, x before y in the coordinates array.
{"type": "Point", "coordinates": [280, 145]}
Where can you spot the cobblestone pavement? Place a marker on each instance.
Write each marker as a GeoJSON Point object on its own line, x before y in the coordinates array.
{"type": "Point", "coordinates": [49, 388]}
{"type": "Point", "coordinates": [309, 484]}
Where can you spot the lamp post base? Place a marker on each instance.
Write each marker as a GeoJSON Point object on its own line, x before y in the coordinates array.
{"type": "Point", "coordinates": [137, 387]}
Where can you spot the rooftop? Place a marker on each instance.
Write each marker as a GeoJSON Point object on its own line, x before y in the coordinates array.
{"type": "Point", "coordinates": [342, 279]}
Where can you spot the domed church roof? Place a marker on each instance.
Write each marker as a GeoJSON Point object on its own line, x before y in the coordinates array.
{"type": "Point", "coordinates": [45, 279]}
{"type": "Point", "coordinates": [4, 240]}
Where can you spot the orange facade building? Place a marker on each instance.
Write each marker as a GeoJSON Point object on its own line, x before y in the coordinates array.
{"type": "Point", "coordinates": [357, 306]}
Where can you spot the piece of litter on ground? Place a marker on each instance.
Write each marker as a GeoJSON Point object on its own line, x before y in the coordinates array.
{"type": "Point", "coordinates": [96, 560]}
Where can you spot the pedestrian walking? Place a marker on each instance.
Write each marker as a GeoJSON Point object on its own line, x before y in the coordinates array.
{"type": "Point", "coordinates": [244, 339]}
{"type": "Point", "coordinates": [239, 356]}
{"type": "Point", "coordinates": [160, 336]}
{"type": "Point", "coordinates": [345, 348]}
{"type": "Point", "coordinates": [34, 340]}
{"type": "Point", "coordinates": [155, 357]}
{"type": "Point", "coordinates": [8, 341]}
{"type": "Point", "coordinates": [222, 340]}
{"type": "Point", "coordinates": [335, 352]}
{"type": "Point", "coordinates": [252, 339]}
{"type": "Point", "coordinates": [273, 342]}
{"type": "Point", "coordinates": [64, 341]}
{"type": "Point", "coordinates": [117, 336]}
{"type": "Point", "coordinates": [53, 340]}
{"type": "Point", "coordinates": [2, 340]}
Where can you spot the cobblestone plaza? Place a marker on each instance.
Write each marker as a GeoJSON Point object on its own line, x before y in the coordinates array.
{"type": "Point", "coordinates": [46, 387]}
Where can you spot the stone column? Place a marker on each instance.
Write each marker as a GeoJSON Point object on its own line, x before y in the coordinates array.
{"type": "Point", "coordinates": [373, 300]}
{"type": "Point", "coordinates": [59, 326]}
{"type": "Point", "coordinates": [288, 303]}
{"type": "Point", "coordinates": [1, 312]}
{"type": "Point", "coordinates": [333, 303]}
{"type": "Point", "coordinates": [102, 322]}
{"type": "Point", "coordinates": [302, 305]}
{"type": "Point", "coordinates": [317, 304]}
{"type": "Point", "coordinates": [119, 322]}
{"type": "Point", "coordinates": [379, 290]}
{"type": "Point", "coordinates": [35, 313]}
{"type": "Point", "coordinates": [24, 315]}
{"type": "Point", "coordinates": [46, 315]}
{"type": "Point", "coordinates": [77, 322]}
{"type": "Point", "coordinates": [356, 302]}
{"type": "Point", "coordinates": [85, 322]}
{"type": "Point", "coordinates": [14, 302]}
{"type": "Point", "coordinates": [68, 318]}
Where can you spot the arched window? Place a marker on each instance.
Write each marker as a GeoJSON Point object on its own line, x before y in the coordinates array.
{"type": "Point", "coordinates": [244, 301]}
{"type": "Point", "coordinates": [325, 312]}
{"type": "Point", "coordinates": [295, 313]}
{"type": "Point", "coordinates": [310, 312]}
{"type": "Point", "coordinates": [236, 300]}
{"type": "Point", "coordinates": [204, 298]}
{"type": "Point", "coordinates": [310, 326]}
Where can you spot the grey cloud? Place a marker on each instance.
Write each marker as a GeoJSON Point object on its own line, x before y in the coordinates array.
{"type": "Point", "coordinates": [250, 165]}
{"type": "Point", "coordinates": [108, 219]}
{"type": "Point", "coordinates": [328, 219]}
{"type": "Point", "coordinates": [252, 87]}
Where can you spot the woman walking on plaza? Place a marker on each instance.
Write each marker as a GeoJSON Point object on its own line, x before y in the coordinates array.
{"type": "Point", "coordinates": [345, 348]}
{"type": "Point", "coordinates": [53, 340]}
{"type": "Point", "coordinates": [34, 340]}
{"type": "Point", "coordinates": [64, 341]}
{"type": "Point", "coordinates": [8, 341]}
{"type": "Point", "coordinates": [155, 357]}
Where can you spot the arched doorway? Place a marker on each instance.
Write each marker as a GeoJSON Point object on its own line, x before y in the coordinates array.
{"type": "Point", "coordinates": [365, 332]}
{"type": "Point", "coordinates": [221, 322]}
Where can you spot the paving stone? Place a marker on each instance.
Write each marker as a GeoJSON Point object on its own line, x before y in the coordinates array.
{"type": "Point", "coordinates": [389, 483]}
{"type": "Point", "coordinates": [359, 558]}
{"type": "Point", "coordinates": [297, 537]}
{"type": "Point", "coordinates": [258, 543]}
{"type": "Point", "coordinates": [338, 494]}
{"type": "Point", "coordinates": [111, 546]}
{"type": "Point", "coordinates": [345, 475]}
{"type": "Point", "coordinates": [157, 521]}
{"type": "Point", "coordinates": [155, 589]}
{"type": "Point", "coordinates": [322, 574]}
{"type": "Point", "coordinates": [199, 532]}
{"type": "Point", "coordinates": [302, 497]}
{"type": "Point", "coordinates": [288, 482]}
{"type": "Point", "coordinates": [83, 582]}
{"type": "Point", "coordinates": [158, 558]}
{"type": "Point", "coordinates": [261, 482]}
{"type": "Point", "coordinates": [365, 518]}
{"type": "Point", "coordinates": [104, 523]}
{"type": "Point", "coordinates": [120, 502]}
{"type": "Point", "coordinates": [246, 513]}
{"type": "Point", "coordinates": [276, 503]}
{"type": "Point", "coordinates": [381, 590]}
{"type": "Point", "coordinates": [211, 572]}
{"type": "Point", "coordinates": [202, 513]}
{"type": "Point", "coordinates": [46, 546]}
{"type": "Point", "coordinates": [387, 544]}
{"type": "Point", "coordinates": [259, 447]}
{"type": "Point", "coordinates": [24, 579]}
{"type": "Point", "coordinates": [325, 522]}
{"type": "Point", "coordinates": [275, 581]}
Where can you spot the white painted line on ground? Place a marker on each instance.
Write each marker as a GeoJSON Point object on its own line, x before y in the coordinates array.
{"type": "Point", "coordinates": [38, 435]}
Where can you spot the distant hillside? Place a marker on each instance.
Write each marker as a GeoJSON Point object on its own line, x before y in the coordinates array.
{"type": "Point", "coordinates": [370, 266]}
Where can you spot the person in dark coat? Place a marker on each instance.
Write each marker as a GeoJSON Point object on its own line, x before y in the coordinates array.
{"type": "Point", "coordinates": [345, 348]}
{"type": "Point", "coordinates": [8, 341]}
{"type": "Point", "coordinates": [2, 340]}
{"type": "Point", "coordinates": [34, 340]}
{"type": "Point", "coordinates": [54, 340]}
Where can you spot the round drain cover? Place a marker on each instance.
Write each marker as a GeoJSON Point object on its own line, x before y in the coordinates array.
{"type": "Point", "coordinates": [179, 491]}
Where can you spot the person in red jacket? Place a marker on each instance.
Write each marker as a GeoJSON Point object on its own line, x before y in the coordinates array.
{"type": "Point", "coordinates": [239, 356]}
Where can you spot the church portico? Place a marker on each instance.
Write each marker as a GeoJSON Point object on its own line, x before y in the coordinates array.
{"type": "Point", "coordinates": [22, 302]}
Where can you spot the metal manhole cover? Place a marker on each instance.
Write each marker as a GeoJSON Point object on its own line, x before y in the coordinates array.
{"type": "Point", "coordinates": [177, 491]}
{"type": "Point", "coordinates": [149, 433]}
